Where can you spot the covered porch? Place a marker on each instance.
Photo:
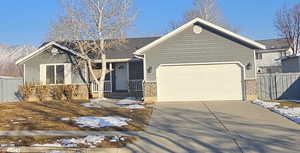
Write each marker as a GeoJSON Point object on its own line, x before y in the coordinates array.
{"type": "Point", "coordinates": [123, 79]}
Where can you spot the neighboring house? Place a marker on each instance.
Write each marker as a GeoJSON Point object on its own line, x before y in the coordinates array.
{"type": "Point", "coordinates": [269, 60]}
{"type": "Point", "coordinates": [198, 61]}
{"type": "Point", "coordinates": [291, 64]}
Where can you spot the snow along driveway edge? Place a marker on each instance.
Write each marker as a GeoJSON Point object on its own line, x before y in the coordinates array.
{"type": "Point", "coordinates": [291, 113]}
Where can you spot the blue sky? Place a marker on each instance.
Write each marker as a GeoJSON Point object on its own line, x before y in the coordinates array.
{"type": "Point", "coordinates": [26, 21]}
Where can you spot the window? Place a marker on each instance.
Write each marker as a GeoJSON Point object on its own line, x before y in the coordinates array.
{"type": "Point", "coordinates": [55, 74]}
{"type": "Point", "coordinates": [258, 56]}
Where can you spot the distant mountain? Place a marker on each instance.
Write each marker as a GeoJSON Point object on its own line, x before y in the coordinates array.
{"type": "Point", "coordinates": [9, 55]}
{"type": "Point", "coordinates": [13, 53]}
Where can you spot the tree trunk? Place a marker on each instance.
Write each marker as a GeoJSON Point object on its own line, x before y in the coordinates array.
{"type": "Point", "coordinates": [102, 78]}
{"type": "Point", "coordinates": [90, 67]}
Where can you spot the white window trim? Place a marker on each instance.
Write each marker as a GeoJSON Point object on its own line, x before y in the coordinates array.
{"type": "Point", "coordinates": [56, 64]}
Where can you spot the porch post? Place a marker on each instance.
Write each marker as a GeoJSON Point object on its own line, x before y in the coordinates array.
{"type": "Point", "coordinates": [110, 75]}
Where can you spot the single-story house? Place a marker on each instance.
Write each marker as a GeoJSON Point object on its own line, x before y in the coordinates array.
{"type": "Point", "coordinates": [199, 61]}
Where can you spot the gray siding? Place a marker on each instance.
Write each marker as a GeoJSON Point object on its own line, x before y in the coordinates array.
{"type": "Point", "coordinates": [291, 65]}
{"type": "Point", "coordinates": [32, 66]}
{"type": "Point", "coordinates": [188, 47]}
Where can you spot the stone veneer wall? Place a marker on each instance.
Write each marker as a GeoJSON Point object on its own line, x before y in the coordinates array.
{"type": "Point", "coordinates": [150, 92]}
{"type": "Point", "coordinates": [250, 87]}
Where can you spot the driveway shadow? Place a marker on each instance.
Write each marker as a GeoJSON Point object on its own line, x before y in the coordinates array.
{"type": "Point", "coordinates": [182, 128]}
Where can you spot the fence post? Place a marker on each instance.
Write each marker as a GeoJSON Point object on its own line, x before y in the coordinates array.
{"type": "Point", "coordinates": [275, 81]}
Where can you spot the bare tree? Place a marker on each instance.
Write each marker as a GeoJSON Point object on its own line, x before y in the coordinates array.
{"type": "Point", "coordinates": [207, 10]}
{"type": "Point", "coordinates": [287, 22]}
{"type": "Point", "coordinates": [92, 27]}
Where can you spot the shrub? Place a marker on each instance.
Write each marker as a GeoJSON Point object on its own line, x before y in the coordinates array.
{"type": "Point", "coordinates": [42, 92]}
{"type": "Point", "coordinates": [26, 90]}
{"type": "Point", "coordinates": [68, 92]}
{"type": "Point", "coordinates": [58, 92]}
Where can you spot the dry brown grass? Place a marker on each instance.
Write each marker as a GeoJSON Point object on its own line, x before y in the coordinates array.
{"type": "Point", "coordinates": [31, 140]}
{"type": "Point", "coordinates": [47, 116]}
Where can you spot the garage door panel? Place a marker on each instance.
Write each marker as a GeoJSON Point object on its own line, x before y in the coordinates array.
{"type": "Point", "coordinates": [199, 82]}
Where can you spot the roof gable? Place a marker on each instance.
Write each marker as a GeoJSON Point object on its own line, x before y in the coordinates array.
{"type": "Point", "coordinates": [252, 43]}
{"type": "Point", "coordinates": [42, 49]}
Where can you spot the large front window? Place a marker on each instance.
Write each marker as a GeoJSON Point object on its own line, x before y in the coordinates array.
{"type": "Point", "coordinates": [55, 74]}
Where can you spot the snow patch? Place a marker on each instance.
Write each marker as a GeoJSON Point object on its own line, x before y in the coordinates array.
{"type": "Point", "coordinates": [65, 119]}
{"type": "Point", "coordinates": [90, 141]}
{"type": "Point", "coordinates": [47, 145]}
{"type": "Point", "coordinates": [135, 106]}
{"type": "Point", "coordinates": [290, 113]}
{"type": "Point", "coordinates": [99, 122]}
{"type": "Point", "coordinates": [128, 101]}
{"type": "Point", "coordinates": [266, 104]}
{"type": "Point", "coordinates": [98, 100]}
{"type": "Point", "coordinates": [91, 105]}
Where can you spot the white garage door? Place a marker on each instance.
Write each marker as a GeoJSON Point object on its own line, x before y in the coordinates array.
{"type": "Point", "coordinates": [199, 82]}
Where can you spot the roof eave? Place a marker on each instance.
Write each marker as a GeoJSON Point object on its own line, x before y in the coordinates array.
{"type": "Point", "coordinates": [252, 43]}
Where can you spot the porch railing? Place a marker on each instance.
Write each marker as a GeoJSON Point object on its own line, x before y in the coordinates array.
{"type": "Point", "coordinates": [133, 86]}
{"type": "Point", "coordinates": [107, 86]}
{"type": "Point", "coordinates": [136, 85]}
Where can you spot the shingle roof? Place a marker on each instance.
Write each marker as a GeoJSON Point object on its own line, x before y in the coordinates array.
{"type": "Point", "coordinates": [273, 44]}
{"type": "Point", "coordinates": [124, 51]}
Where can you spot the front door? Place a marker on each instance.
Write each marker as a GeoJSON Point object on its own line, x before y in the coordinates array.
{"type": "Point", "coordinates": [121, 71]}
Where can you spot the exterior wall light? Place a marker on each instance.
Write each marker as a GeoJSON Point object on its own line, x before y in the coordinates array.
{"type": "Point", "coordinates": [149, 69]}
{"type": "Point", "coordinates": [249, 66]}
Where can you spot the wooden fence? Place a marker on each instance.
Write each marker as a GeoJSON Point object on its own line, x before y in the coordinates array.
{"type": "Point", "coordinates": [278, 86]}
{"type": "Point", "coordinates": [9, 89]}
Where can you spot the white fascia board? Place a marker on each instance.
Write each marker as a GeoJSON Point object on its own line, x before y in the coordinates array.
{"type": "Point", "coordinates": [142, 50]}
{"type": "Point", "coordinates": [42, 49]}
{"type": "Point", "coordinates": [34, 53]}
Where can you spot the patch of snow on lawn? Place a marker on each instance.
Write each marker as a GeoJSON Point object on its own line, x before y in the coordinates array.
{"type": "Point", "coordinates": [128, 101]}
{"type": "Point", "coordinates": [266, 104]}
{"type": "Point", "coordinates": [91, 105]}
{"type": "Point", "coordinates": [47, 145]}
{"type": "Point", "coordinates": [98, 100]}
{"type": "Point", "coordinates": [65, 119]}
{"type": "Point", "coordinates": [135, 106]}
{"type": "Point", "coordinates": [99, 122]}
{"type": "Point", "coordinates": [88, 140]}
{"type": "Point", "coordinates": [291, 113]}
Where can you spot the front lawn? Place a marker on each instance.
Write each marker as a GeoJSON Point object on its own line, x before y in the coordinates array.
{"type": "Point", "coordinates": [48, 116]}
{"type": "Point", "coordinates": [67, 142]}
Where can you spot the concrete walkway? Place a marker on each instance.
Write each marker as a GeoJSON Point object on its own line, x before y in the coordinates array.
{"type": "Point", "coordinates": [212, 127]}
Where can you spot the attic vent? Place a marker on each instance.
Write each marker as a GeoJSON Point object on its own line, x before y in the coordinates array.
{"type": "Point", "coordinates": [54, 51]}
{"type": "Point", "coordinates": [197, 29]}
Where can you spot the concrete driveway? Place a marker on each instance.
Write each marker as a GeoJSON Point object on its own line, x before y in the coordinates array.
{"type": "Point", "coordinates": [215, 127]}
